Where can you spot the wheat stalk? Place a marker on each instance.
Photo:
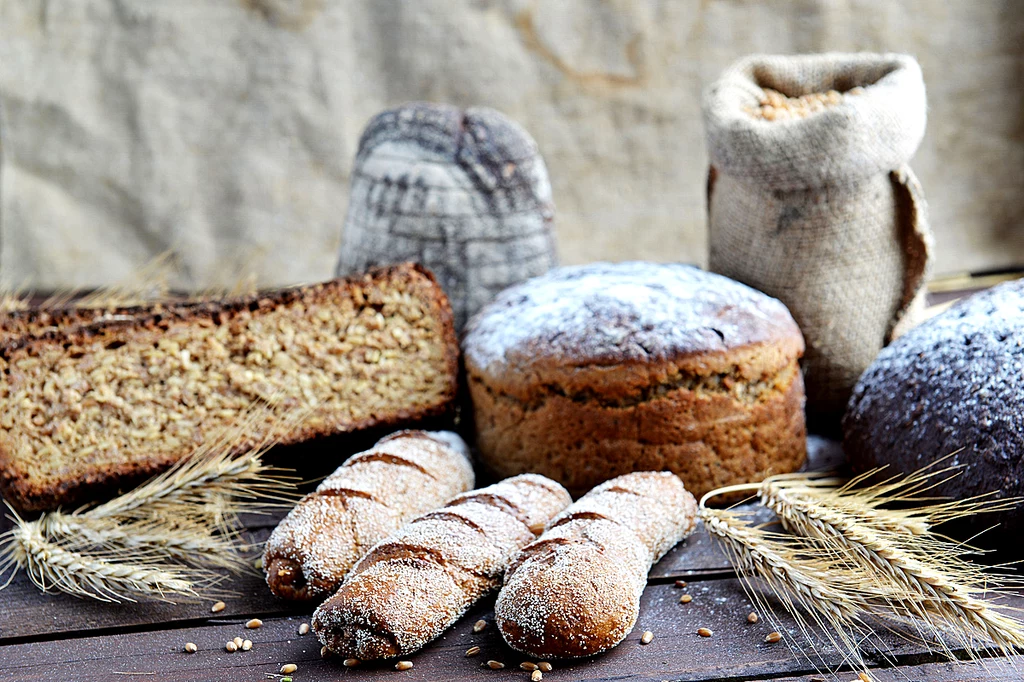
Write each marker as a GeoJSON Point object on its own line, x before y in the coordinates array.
{"type": "Point", "coordinates": [161, 539]}
{"type": "Point", "coordinates": [52, 567]}
{"type": "Point", "coordinates": [918, 578]}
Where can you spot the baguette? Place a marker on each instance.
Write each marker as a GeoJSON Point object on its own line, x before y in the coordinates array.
{"type": "Point", "coordinates": [90, 404]}
{"type": "Point", "coordinates": [415, 584]}
{"type": "Point", "coordinates": [370, 496]}
{"type": "Point", "coordinates": [576, 590]}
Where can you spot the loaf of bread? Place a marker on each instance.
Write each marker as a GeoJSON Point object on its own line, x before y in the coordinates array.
{"type": "Point", "coordinates": [370, 496]}
{"type": "Point", "coordinates": [412, 586]}
{"type": "Point", "coordinates": [576, 590]}
{"type": "Point", "coordinates": [593, 371]}
{"type": "Point", "coordinates": [92, 407]}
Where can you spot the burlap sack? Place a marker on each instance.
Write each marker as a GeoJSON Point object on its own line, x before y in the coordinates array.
{"type": "Point", "coordinates": [822, 212]}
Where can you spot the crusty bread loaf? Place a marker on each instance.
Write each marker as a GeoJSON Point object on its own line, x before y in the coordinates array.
{"type": "Point", "coordinates": [107, 403]}
{"type": "Point", "coordinates": [593, 371]}
{"type": "Point", "coordinates": [370, 496]}
{"type": "Point", "coordinates": [576, 590]}
{"type": "Point", "coordinates": [412, 586]}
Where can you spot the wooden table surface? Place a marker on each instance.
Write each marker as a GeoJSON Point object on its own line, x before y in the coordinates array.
{"type": "Point", "coordinates": [57, 638]}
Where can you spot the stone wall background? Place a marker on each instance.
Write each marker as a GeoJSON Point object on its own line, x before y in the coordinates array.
{"type": "Point", "coordinates": [225, 130]}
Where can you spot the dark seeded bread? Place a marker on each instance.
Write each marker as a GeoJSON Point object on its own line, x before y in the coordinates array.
{"type": "Point", "coordinates": [953, 385]}
{"type": "Point", "coordinates": [590, 372]}
{"type": "Point", "coordinates": [108, 402]}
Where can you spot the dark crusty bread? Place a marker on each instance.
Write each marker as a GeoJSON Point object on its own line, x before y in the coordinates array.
{"type": "Point", "coordinates": [953, 384]}
{"type": "Point", "coordinates": [576, 590]}
{"type": "Point", "coordinates": [590, 372]}
{"type": "Point", "coordinates": [369, 497]}
{"type": "Point", "coordinates": [412, 586]}
{"type": "Point", "coordinates": [107, 403]}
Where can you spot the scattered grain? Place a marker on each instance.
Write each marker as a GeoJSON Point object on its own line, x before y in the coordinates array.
{"type": "Point", "coordinates": [773, 637]}
{"type": "Point", "coordinates": [681, 583]}
{"type": "Point", "coordinates": [495, 665]}
{"type": "Point", "coordinates": [218, 607]}
{"type": "Point", "coordinates": [704, 632]}
{"type": "Point", "coordinates": [545, 666]}
{"type": "Point", "coordinates": [863, 677]}
{"type": "Point", "coordinates": [304, 629]}
{"type": "Point", "coordinates": [246, 645]}
{"type": "Point", "coordinates": [686, 599]}
{"type": "Point", "coordinates": [528, 666]}
{"type": "Point", "coordinates": [403, 665]}
{"type": "Point", "coordinates": [536, 676]}
{"type": "Point", "coordinates": [231, 647]}
{"type": "Point", "coordinates": [254, 623]}
{"type": "Point", "coordinates": [286, 679]}
{"type": "Point", "coordinates": [647, 637]}
{"type": "Point", "coordinates": [190, 648]}
{"type": "Point", "coordinates": [238, 642]}
{"type": "Point", "coordinates": [350, 662]}
{"type": "Point", "coordinates": [472, 651]}
{"type": "Point", "coordinates": [479, 625]}
{"type": "Point", "coordinates": [752, 617]}
{"type": "Point", "coordinates": [288, 668]}
{"type": "Point", "coordinates": [258, 564]}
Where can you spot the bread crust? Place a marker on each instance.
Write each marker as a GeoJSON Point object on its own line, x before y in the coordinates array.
{"type": "Point", "coordinates": [76, 328]}
{"type": "Point", "coordinates": [368, 497]}
{"type": "Point", "coordinates": [701, 378]}
{"type": "Point", "coordinates": [412, 586]}
{"type": "Point", "coordinates": [575, 591]}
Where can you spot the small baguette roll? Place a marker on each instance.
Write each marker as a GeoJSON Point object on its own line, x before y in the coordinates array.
{"type": "Point", "coordinates": [412, 586]}
{"type": "Point", "coordinates": [576, 590]}
{"type": "Point", "coordinates": [368, 497]}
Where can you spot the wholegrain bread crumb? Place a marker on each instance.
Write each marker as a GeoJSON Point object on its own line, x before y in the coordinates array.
{"type": "Point", "coordinates": [106, 404]}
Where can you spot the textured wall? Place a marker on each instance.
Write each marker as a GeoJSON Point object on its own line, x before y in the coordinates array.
{"type": "Point", "coordinates": [226, 130]}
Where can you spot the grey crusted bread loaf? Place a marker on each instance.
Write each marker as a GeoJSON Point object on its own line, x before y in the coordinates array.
{"type": "Point", "coordinates": [594, 371]}
{"type": "Point", "coordinates": [576, 590]}
{"type": "Point", "coordinates": [954, 384]}
{"type": "Point", "coordinates": [463, 191]}
{"type": "Point", "coordinates": [412, 586]}
{"type": "Point", "coordinates": [88, 408]}
{"type": "Point", "coordinates": [370, 496]}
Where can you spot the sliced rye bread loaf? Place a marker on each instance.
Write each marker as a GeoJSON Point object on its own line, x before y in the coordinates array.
{"type": "Point", "coordinates": [106, 402]}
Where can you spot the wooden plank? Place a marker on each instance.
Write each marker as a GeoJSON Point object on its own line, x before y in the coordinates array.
{"type": "Point", "coordinates": [737, 649]}
{"type": "Point", "coordinates": [989, 670]}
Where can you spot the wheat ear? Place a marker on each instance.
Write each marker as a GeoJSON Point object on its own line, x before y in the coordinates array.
{"type": "Point", "coordinates": [918, 579]}
{"type": "Point", "coordinates": [139, 545]}
{"type": "Point", "coordinates": [52, 567]}
{"type": "Point", "coordinates": [800, 575]}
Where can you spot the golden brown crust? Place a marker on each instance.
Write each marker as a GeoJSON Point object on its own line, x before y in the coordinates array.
{"type": "Point", "coordinates": [594, 371]}
{"type": "Point", "coordinates": [576, 590]}
{"type": "Point", "coordinates": [412, 586]}
{"type": "Point", "coordinates": [368, 497]}
{"type": "Point", "coordinates": [85, 331]}
{"type": "Point", "coordinates": [706, 433]}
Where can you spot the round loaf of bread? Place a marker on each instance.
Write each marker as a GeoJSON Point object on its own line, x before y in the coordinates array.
{"type": "Point", "coordinates": [590, 372]}
{"type": "Point", "coordinates": [953, 385]}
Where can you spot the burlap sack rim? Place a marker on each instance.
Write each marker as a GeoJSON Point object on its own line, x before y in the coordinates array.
{"type": "Point", "coordinates": [892, 107]}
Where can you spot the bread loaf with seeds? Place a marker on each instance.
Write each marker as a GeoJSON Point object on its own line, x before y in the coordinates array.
{"type": "Point", "coordinates": [371, 495]}
{"type": "Point", "coordinates": [415, 584]}
{"type": "Point", "coordinates": [576, 590]}
{"type": "Point", "coordinates": [91, 403]}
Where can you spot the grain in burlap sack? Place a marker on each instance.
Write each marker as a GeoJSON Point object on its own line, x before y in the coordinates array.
{"type": "Point", "coordinates": [821, 210]}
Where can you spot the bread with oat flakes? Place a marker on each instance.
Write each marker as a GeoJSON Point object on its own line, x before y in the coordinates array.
{"type": "Point", "coordinates": [93, 405]}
